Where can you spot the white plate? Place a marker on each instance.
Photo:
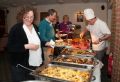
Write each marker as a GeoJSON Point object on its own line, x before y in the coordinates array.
{"type": "Point", "coordinates": [60, 35]}
{"type": "Point", "coordinates": [59, 40]}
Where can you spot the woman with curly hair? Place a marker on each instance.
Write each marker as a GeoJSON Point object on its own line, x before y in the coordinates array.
{"type": "Point", "coordinates": [24, 45]}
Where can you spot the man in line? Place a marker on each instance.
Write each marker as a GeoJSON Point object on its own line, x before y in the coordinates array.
{"type": "Point", "coordinates": [47, 33]}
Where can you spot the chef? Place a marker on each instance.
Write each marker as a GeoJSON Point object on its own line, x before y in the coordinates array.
{"type": "Point", "coordinates": [100, 33]}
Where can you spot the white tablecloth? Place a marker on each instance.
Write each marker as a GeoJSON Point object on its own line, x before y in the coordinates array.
{"type": "Point", "coordinates": [97, 72]}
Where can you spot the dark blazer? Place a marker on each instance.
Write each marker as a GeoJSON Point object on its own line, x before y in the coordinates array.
{"type": "Point", "coordinates": [16, 40]}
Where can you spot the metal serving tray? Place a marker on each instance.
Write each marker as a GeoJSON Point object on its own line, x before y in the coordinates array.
{"type": "Point", "coordinates": [38, 73]}
{"type": "Point", "coordinates": [77, 52]}
{"type": "Point", "coordinates": [75, 61]}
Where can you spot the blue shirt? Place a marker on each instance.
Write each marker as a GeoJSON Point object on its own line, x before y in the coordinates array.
{"type": "Point", "coordinates": [46, 31]}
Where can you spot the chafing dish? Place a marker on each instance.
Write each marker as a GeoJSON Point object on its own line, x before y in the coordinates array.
{"type": "Point", "coordinates": [77, 52]}
{"type": "Point", "coordinates": [58, 73]}
{"type": "Point", "coordinates": [79, 61]}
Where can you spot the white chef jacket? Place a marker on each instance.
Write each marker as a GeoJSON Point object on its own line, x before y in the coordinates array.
{"type": "Point", "coordinates": [97, 31]}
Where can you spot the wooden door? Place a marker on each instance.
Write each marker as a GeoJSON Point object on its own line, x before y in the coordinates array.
{"type": "Point", "coordinates": [43, 15]}
{"type": "Point", "coordinates": [2, 22]}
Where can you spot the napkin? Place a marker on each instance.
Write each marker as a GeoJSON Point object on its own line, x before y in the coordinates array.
{"type": "Point", "coordinates": [52, 43]}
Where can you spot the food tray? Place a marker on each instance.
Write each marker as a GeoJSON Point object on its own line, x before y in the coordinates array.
{"type": "Point", "coordinates": [83, 61]}
{"type": "Point", "coordinates": [58, 73]}
{"type": "Point", "coordinates": [77, 52]}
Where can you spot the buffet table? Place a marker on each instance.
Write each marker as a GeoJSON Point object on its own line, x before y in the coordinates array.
{"type": "Point", "coordinates": [97, 72]}
{"type": "Point", "coordinates": [72, 61]}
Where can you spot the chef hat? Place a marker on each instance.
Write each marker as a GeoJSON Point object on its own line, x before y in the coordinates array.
{"type": "Point", "coordinates": [89, 14]}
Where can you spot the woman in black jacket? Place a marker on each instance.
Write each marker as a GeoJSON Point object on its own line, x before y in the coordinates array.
{"type": "Point", "coordinates": [24, 45]}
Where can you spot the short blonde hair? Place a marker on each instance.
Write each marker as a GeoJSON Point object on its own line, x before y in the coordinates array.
{"type": "Point", "coordinates": [65, 16]}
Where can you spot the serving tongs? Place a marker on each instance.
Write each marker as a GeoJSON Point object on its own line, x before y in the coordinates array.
{"type": "Point", "coordinates": [21, 66]}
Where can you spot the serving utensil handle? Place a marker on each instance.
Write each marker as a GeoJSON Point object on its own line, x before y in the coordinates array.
{"type": "Point", "coordinates": [19, 65]}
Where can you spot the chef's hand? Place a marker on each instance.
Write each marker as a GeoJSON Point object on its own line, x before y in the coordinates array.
{"type": "Point", "coordinates": [31, 46]}
{"type": "Point", "coordinates": [81, 35]}
{"type": "Point", "coordinates": [96, 42]}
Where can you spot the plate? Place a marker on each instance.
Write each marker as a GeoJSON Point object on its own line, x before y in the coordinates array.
{"type": "Point", "coordinates": [60, 35]}
{"type": "Point", "coordinates": [59, 40]}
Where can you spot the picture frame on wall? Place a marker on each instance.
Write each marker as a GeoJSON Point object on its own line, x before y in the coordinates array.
{"type": "Point", "coordinates": [80, 17]}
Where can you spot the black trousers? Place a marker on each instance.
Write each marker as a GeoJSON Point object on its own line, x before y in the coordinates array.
{"type": "Point", "coordinates": [57, 51]}
{"type": "Point", "coordinates": [101, 55]}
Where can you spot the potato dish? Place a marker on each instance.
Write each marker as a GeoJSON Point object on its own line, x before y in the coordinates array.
{"type": "Point", "coordinates": [66, 74]}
